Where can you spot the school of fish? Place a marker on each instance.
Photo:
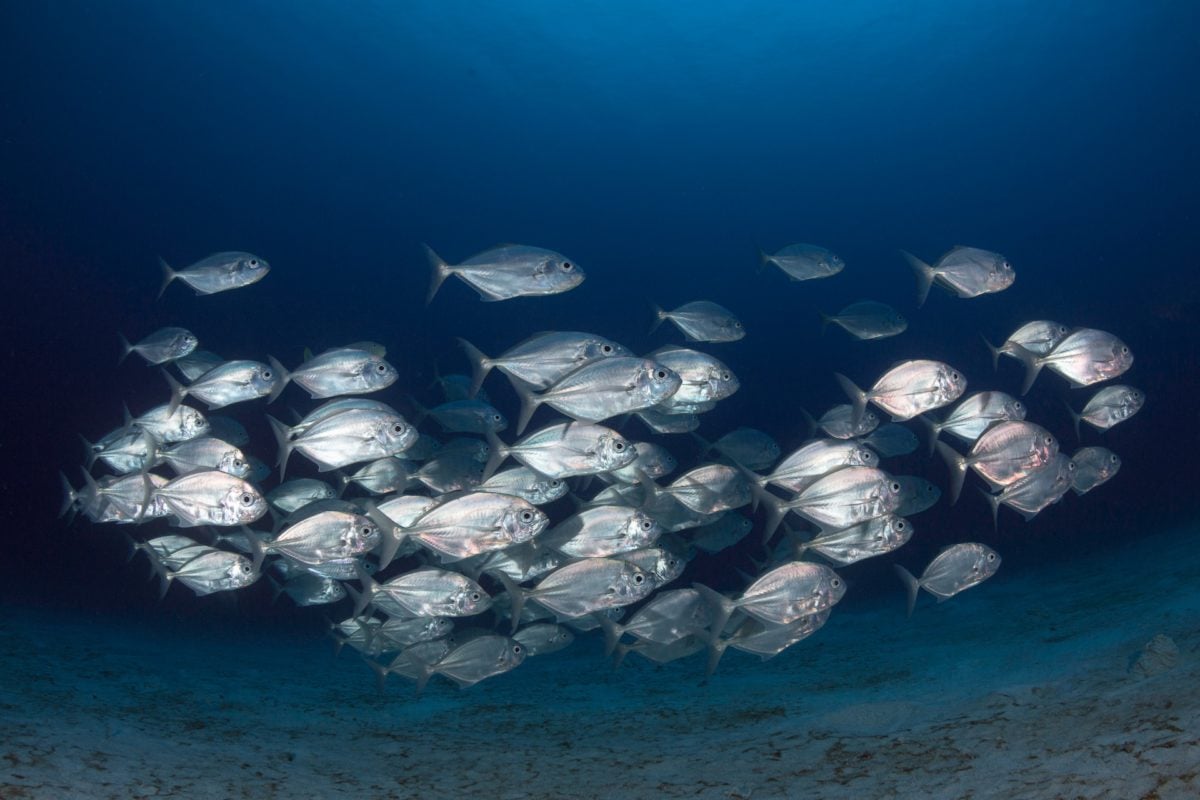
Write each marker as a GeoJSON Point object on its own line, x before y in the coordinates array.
{"type": "Point", "coordinates": [454, 542]}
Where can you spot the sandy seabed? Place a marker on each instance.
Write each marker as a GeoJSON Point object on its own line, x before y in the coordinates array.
{"type": "Point", "coordinates": [1024, 687]}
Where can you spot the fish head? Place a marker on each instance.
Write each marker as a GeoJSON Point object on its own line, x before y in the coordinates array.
{"type": "Point", "coordinates": [731, 328]}
{"type": "Point", "coordinates": [395, 434]}
{"type": "Point", "coordinates": [630, 585]}
{"type": "Point", "coordinates": [667, 567]}
{"type": "Point", "coordinates": [263, 379]}
{"type": "Point", "coordinates": [1109, 465]}
{"type": "Point", "coordinates": [436, 628]}
{"type": "Point", "coordinates": [595, 348]}
{"type": "Point", "coordinates": [987, 561]}
{"type": "Point", "coordinates": [512, 655]}
{"type": "Point", "coordinates": [470, 599]}
{"type": "Point", "coordinates": [831, 263]}
{"type": "Point", "coordinates": [895, 532]}
{"type": "Point", "coordinates": [359, 536]}
{"type": "Point", "coordinates": [494, 421]}
{"type": "Point", "coordinates": [249, 268]}
{"type": "Point", "coordinates": [721, 382]}
{"type": "Point", "coordinates": [240, 573]}
{"type": "Point", "coordinates": [861, 456]}
{"type": "Point", "coordinates": [950, 384]}
{"type": "Point", "coordinates": [1000, 275]}
{"type": "Point", "coordinates": [1120, 358]}
{"type": "Point", "coordinates": [546, 491]}
{"type": "Point", "coordinates": [1013, 409]}
{"type": "Point", "coordinates": [1044, 449]}
{"type": "Point", "coordinates": [377, 374]}
{"type": "Point", "coordinates": [1131, 403]}
{"type": "Point", "coordinates": [654, 382]}
{"type": "Point", "coordinates": [183, 345]}
{"type": "Point", "coordinates": [242, 503]}
{"type": "Point", "coordinates": [612, 451]}
{"type": "Point", "coordinates": [641, 530]}
{"type": "Point", "coordinates": [557, 273]}
{"type": "Point", "coordinates": [232, 462]}
{"type": "Point", "coordinates": [192, 423]}
{"type": "Point", "coordinates": [522, 521]}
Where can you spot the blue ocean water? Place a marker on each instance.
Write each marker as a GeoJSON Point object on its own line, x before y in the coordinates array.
{"type": "Point", "coordinates": [656, 144]}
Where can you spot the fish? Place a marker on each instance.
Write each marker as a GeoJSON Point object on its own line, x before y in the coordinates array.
{"type": "Point", "coordinates": [1086, 356]}
{"type": "Point", "coordinates": [480, 658]}
{"type": "Point", "coordinates": [466, 416]}
{"type": "Point", "coordinates": [705, 489]}
{"type": "Point", "coordinates": [211, 497]}
{"type": "Point", "coordinates": [867, 319]}
{"type": "Point", "coordinates": [542, 638]}
{"type": "Point", "coordinates": [703, 378]}
{"type": "Point", "coordinates": [891, 440]}
{"type": "Point", "coordinates": [226, 429]}
{"type": "Point", "coordinates": [603, 389]}
{"type": "Point", "coordinates": [668, 617]}
{"type": "Point", "coordinates": [523, 482]}
{"type": "Point", "coordinates": [206, 453]}
{"type": "Point", "coordinates": [749, 447]}
{"type": "Point", "coordinates": [955, 569]}
{"type": "Point", "coordinates": [908, 389]}
{"type": "Point", "coordinates": [322, 538]}
{"type": "Point", "coordinates": [306, 589]}
{"type": "Point", "coordinates": [1034, 492]}
{"type": "Point", "coordinates": [232, 382]}
{"type": "Point", "coordinates": [219, 272]}
{"type": "Point", "coordinates": [965, 271]}
{"type": "Point", "coordinates": [660, 422]}
{"type": "Point", "coordinates": [722, 533]}
{"type": "Point", "coordinates": [581, 587]}
{"type": "Point", "coordinates": [170, 426]}
{"type": "Point", "coordinates": [916, 495]}
{"type": "Point", "coordinates": [1107, 407]}
{"type": "Point", "coordinates": [765, 639]}
{"type": "Point", "coordinates": [702, 321]}
{"type": "Point", "coordinates": [165, 344]}
{"type": "Point", "coordinates": [847, 497]}
{"type": "Point", "coordinates": [874, 537]}
{"type": "Point", "coordinates": [1005, 453]}
{"type": "Point", "coordinates": [478, 522]}
{"type": "Point", "coordinates": [212, 571]}
{"type": "Point", "coordinates": [197, 363]}
{"type": "Point", "coordinates": [975, 414]}
{"type": "Point", "coordinates": [803, 262]}
{"type": "Point", "coordinates": [564, 450]}
{"type": "Point", "coordinates": [840, 422]}
{"type": "Point", "coordinates": [1038, 337]}
{"type": "Point", "coordinates": [508, 271]}
{"type": "Point", "coordinates": [341, 371]}
{"type": "Point", "coordinates": [382, 476]}
{"type": "Point", "coordinates": [603, 531]}
{"type": "Point", "coordinates": [425, 592]}
{"type": "Point", "coordinates": [299, 492]}
{"type": "Point", "coordinates": [779, 596]}
{"type": "Point", "coordinates": [127, 451]}
{"type": "Point", "coordinates": [652, 459]}
{"type": "Point", "coordinates": [344, 438]}
{"type": "Point", "coordinates": [543, 359]}
{"type": "Point", "coordinates": [804, 466]}
{"type": "Point", "coordinates": [1093, 466]}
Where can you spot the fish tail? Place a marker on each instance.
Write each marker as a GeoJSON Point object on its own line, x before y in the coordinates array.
{"type": "Point", "coordinates": [764, 258]}
{"type": "Point", "coordinates": [1033, 365]}
{"type": "Point", "coordinates": [161, 572]}
{"type": "Point", "coordinates": [420, 412]}
{"type": "Point", "coordinates": [93, 489]}
{"type": "Point", "coordinates": [381, 673]}
{"type": "Point", "coordinates": [993, 501]}
{"type": "Point", "coordinates": [612, 633]}
{"type": "Point", "coordinates": [516, 596]}
{"type": "Point", "coordinates": [619, 654]}
{"type": "Point", "coordinates": [126, 419]}
{"type": "Point", "coordinates": [168, 276]}
{"type": "Point", "coordinates": [529, 402]}
{"type": "Point", "coordinates": [178, 392]}
{"type": "Point", "coordinates": [722, 608]}
{"type": "Point", "coordinates": [126, 348]}
{"type": "Point", "coordinates": [69, 498]}
{"type": "Point", "coordinates": [362, 599]}
{"type": "Point", "coordinates": [716, 649]}
{"type": "Point", "coordinates": [924, 273]}
{"type": "Point", "coordinates": [498, 451]}
{"type": "Point", "coordinates": [995, 351]}
{"type": "Point", "coordinates": [957, 465]}
{"type": "Point", "coordinates": [258, 550]}
{"type": "Point", "coordinates": [276, 589]}
{"type": "Point", "coordinates": [440, 271]}
{"type": "Point", "coordinates": [133, 547]}
{"type": "Point", "coordinates": [825, 320]}
{"type": "Point", "coordinates": [282, 378]}
{"type": "Point", "coordinates": [91, 453]}
{"type": "Point", "coordinates": [705, 444]}
{"type": "Point", "coordinates": [857, 396]}
{"type": "Point", "coordinates": [1074, 418]}
{"type": "Point", "coordinates": [282, 438]}
{"type": "Point", "coordinates": [933, 428]}
{"type": "Point", "coordinates": [810, 422]}
{"type": "Point", "coordinates": [481, 365]}
{"type": "Point", "coordinates": [391, 535]}
{"type": "Point", "coordinates": [911, 585]}
{"type": "Point", "coordinates": [776, 511]}
{"type": "Point", "coordinates": [659, 316]}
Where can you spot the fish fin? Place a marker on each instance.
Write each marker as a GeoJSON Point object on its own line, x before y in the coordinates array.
{"type": "Point", "coordinates": [283, 438]}
{"type": "Point", "coordinates": [810, 422]}
{"type": "Point", "coordinates": [619, 654]}
{"type": "Point", "coordinates": [825, 320]}
{"type": "Point", "coordinates": [282, 378]}
{"type": "Point", "coordinates": [440, 271]}
{"type": "Point", "coordinates": [126, 418]}
{"type": "Point", "coordinates": [498, 451]}
{"type": "Point", "coordinates": [69, 498]}
{"type": "Point", "coordinates": [529, 403]}
{"type": "Point", "coordinates": [911, 586]}
{"type": "Point", "coordinates": [993, 501]}
{"type": "Point", "coordinates": [257, 550]}
{"type": "Point", "coordinates": [1033, 365]}
{"type": "Point", "coordinates": [91, 453]}
{"type": "Point", "coordinates": [925, 275]}
{"type": "Point", "coordinates": [933, 428]}
{"type": "Point", "coordinates": [722, 608]}
{"type": "Point", "coordinates": [705, 444]}
{"type": "Point", "coordinates": [420, 412]}
{"type": "Point", "coordinates": [391, 535]}
{"type": "Point", "coordinates": [1074, 418]}
{"type": "Point", "coordinates": [516, 595]}
{"type": "Point", "coordinates": [362, 599]}
{"type": "Point", "coordinates": [659, 316]}
{"type": "Point", "coordinates": [995, 351]}
{"type": "Point", "coordinates": [276, 588]}
{"type": "Point", "coordinates": [857, 396]}
{"type": "Point", "coordinates": [612, 633]}
{"type": "Point", "coordinates": [126, 348]}
{"type": "Point", "coordinates": [481, 365]}
{"type": "Point", "coordinates": [957, 465]}
{"type": "Point", "coordinates": [381, 673]}
{"type": "Point", "coordinates": [716, 649]}
{"type": "Point", "coordinates": [178, 392]}
{"type": "Point", "coordinates": [776, 511]}
{"type": "Point", "coordinates": [168, 276]}
{"type": "Point", "coordinates": [764, 258]}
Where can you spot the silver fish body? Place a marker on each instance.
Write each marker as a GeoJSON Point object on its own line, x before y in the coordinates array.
{"type": "Point", "coordinates": [327, 536]}
{"type": "Point", "coordinates": [868, 319]}
{"type": "Point", "coordinates": [965, 271]}
{"type": "Point", "coordinates": [337, 372]}
{"type": "Point", "coordinates": [866, 539]}
{"type": "Point", "coordinates": [804, 262]}
{"type": "Point", "coordinates": [1110, 405]}
{"type": "Point", "coordinates": [478, 522]}
{"type": "Point", "coordinates": [165, 344]}
{"type": "Point", "coordinates": [603, 389]}
{"type": "Point", "coordinates": [232, 382]}
{"type": "Point", "coordinates": [955, 569]}
{"type": "Point", "coordinates": [543, 359]}
{"type": "Point", "coordinates": [206, 453]}
{"type": "Point", "coordinates": [803, 467]}
{"type": "Point", "coordinates": [847, 497]}
{"type": "Point", "coordinates": [603, 531]}
{"type": "Point", "coordinates": [508, 271]}
{"type": "Point", "coordinates": [567, 449]}
{"type": "Point", "coordinates": [211, 497]}
{"type": "Point", "coordinates": [703, 321]}
{"type": "Point", "coordinates": [908, 389]}
{"type": "Point", "coordinates": [219, 272]}
{"type": "Point", "coordinates": [1094, 466]}
{"type": "Point", "coordinates": [345, 438]}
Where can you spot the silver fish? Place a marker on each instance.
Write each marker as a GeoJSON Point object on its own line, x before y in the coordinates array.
{"type": "Point", "coordinates": [452, 471]}
{"type": "Point", "coordinates": [603, 531]}
{"type": "Point", "coordinates": [543, 359]}
{"type": "Point", "coordinates": [974, 415]}
{"type": "Point", "coordinates": [478, 522]}
{"type": "Point", "coordinates": [232, 382]}
{"type": "Point", "coordinates": [566, 449]}
{"type": "Point", "coordinates": [306, 589]}
{"type": "Point", "coordinates": [1094, 466]}
{"type": "Point", "coordinates": [866, 539]}
{"type": "Point", "coordinates": [1084, 357]}
{"type": "Point", "coordinates": [1038, 337]}
{"type": "Point", "coordinates": [890, 440]}
{"type": "Point", "coordinates": [508, 271]}
{"type": "Point", "coordinates": [705, 489]}
{"type": "Point", "coordinates": [1005, 453]}
{"type": "Point", "coordinates": [295, 494]}
{"type": "Point", "coordinates": [345, 438]}
{"type": "Point", "coordinates": [955, 569]}
{"type": "Point", "coordinates": [840, 422]}
{"type": "Point", "coordinates": [780, 596]}
{"type": "Point", "coordinates": [908, 389]}
{"type": "Point", "coordinates": [1033, 493]}
{"type": "Point", "coordinates": [542, 638]}
{"type": "Point", "coordinates": [383, 476]}
{"type": "Point", "coordinates": [847, 497]}
{"type": "Point", "coordinates": [327, 410]}
{"type": "Point", "coordinates": [476, 660]}
{"type": "Point", "coordinates": [324, 537]}
{"type": "Point", "coordinates": [916, 495]}
{"type": "Point", "coordinates": [667, 618]}
{"type": "Point", "coordinates": [661, 564]}
{"type": "Point", "coordinates": [131, 451]}
{"type": "Point", "coordinates": [197, 363]}
{"type": "Point", "coordinates": [579, 588]}
{"type": "Point", "coordinates": [702, 321]}
{"type": "Point", "coordinates": [965, 271]}
{"type": "Point", "coordinates": [165, 344]}
{"type": "Point", "coordinates": [205, 453]}
{"type": "Point", "coordinates": [603, 389]}
{"type": "Point", "coordinates": [1107, 407]}
{"type": "Point", "coordinates": [467, 416]}
{"type": "Point", "coordinates": [169, 426]}
{"type": "Point", "coordinates": [527, 484]}
{"type": "Point", "coordinates": [213, 571]}
{"type": "Point", "coordinates": [427, 592]}
{"type": "Point", "coordinates": [802, 262]}
{"type": "Point", "coordinates": [344, 370]}
{"type": "Point", "coordinates": [703, 378]}
{"type": "Point", "coordinates": [211, 497]}
{"type": "Point", "coordinates": [661, 422]}
{"type": "Point", "coordinates": [803, 467]}
{"type": "Point", "coordinates": [867, 319]}
{"type": "Point", "coordinates": [724, 532]}
{"type": "Point", "coordinates": [749, 447]}
{"type": "Point", "coordinates": [227, 429]}
{"type": "Point", "coordinates": [217, 273]}
{"type": "Point", "coordinates": [766, 639]}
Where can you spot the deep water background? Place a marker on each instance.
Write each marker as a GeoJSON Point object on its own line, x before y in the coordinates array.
{"type": "Point", "coordinates": [655, 145]}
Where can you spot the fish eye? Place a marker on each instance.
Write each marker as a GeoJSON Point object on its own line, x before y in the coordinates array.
{"type": "Point", "coordinates": [526, 516]}
{"type": "Point", "coordinates": [991, 556]}
{"type": "Point", "coordinates": [496, 417]}
{"type": "Point", "coordinates": [618, 446]}
{"type": "Point", "coordinates": [567, 266]}
{"type": "Point", "coordinates": [266, 374]}
{"type": "Point", "coordinates": [737, 324]}
{"type": "Point", "coordinates": [1124, 350]}
{"type": "Point", "coordinates": [554, 484]}
{"type": "Point", "coordinates": [901, 525]}
{"type": "Point", "coordinates": [516, 649]}
{"type": "Point", "coordinates": [726, 376]}
{"type": "Point", "coordinates": [398, 428]}
{"type": "Point", "coordinates": [639, 578]}
{"type": "Point", "coordinates": [1113, 459]}
{"type": "Point", "coordinates": [366, 530]}
{"type": "Point", "coordinates": [1018, 406]}
{"type": "Point", "coordinates": [606, 348]}
{"type": "Point", "coordinates": [475, 597]}
{"type": "Point", "coordinates": [238, 463]}
{"type": "Point", "coordinates": [661, 374]}
{"type": "Point", "coordinates": [647, 524]}
{"type": "Point", "coordinates": [1049, 439]}
{"type": "Point", "coordinates": [895, 486]}
{"type": "Point", "coordinates": [836, 583]}
{"type": "Point", "coordinates": [381, 368]}
{"type": "Point", "coordinates": [254, 262]}
{"type": "Point", "coordinates": [247, 499]}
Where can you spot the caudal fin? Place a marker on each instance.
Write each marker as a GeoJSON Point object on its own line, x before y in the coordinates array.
{"type": "Point", "coordinates": [516, 596]}
{"type": "Point", "coordinates": [439, 269]}
{"type": "Point", "coordinates": [1033, 365]}
{"type": "Point", "coordinates": [498, 451]}
{"type": "Point", "coordinates": [933, 429]}
{"type": "Point", "coordinates": [957, 465]}
{"type": "Point", "coordinates": [529, 402]}
{"type": "Point", "coordinates": [858, 398]}
{"type": "Point", "coordinates": [1074, 418]}
{"type": "Point", "coordinates": [659, 316]}
{"type": "Point", "coordinates": [722, 608]}
{"type": "Point", "coordinates": [126, 349]}
{"type": "Point", "coordinates": [995, 351]}
{"type": "Point", "coordinates": [911, 585]}
{"type": "Point", "coordinates": [168, 276]}
{"type": "Point", "coordinates": [178, 392]}
{"type": "Point", "coordinates": [993, 500]}
{"type": "Point", "coordinates": [825, 320]}
{"type": "Point", "coordinates": [924, 273]}
{"type": "Point", "coordinates": [481, 365]}
{"type": "Point", "coordinates": [283, 436]}
{"type": "Point", "coordinates": [282, 378]}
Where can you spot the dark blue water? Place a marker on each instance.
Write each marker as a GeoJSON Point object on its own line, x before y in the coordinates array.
{"type": "Point", "coordinates": [656, 146]}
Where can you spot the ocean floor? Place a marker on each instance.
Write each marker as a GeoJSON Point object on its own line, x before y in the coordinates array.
{"type": "Point", "coordinates": [1029, 686]}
